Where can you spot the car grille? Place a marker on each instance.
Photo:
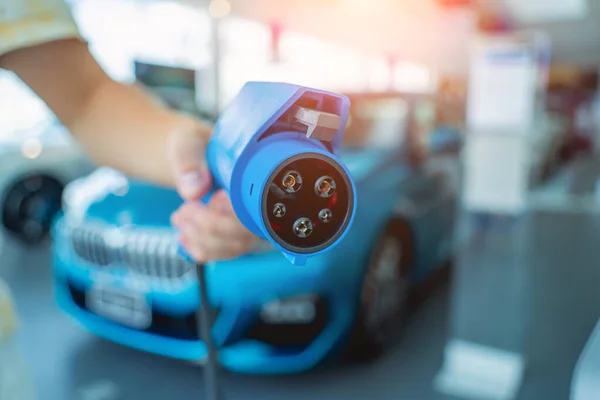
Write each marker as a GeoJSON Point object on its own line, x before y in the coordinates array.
{"type": "Point", "coordinates": [151, 254]}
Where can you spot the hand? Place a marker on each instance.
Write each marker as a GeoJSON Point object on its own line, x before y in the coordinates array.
{"type": "Point", "coordinates": [212, 231]}
{"type": "Point", "coordinates": [186, 150]}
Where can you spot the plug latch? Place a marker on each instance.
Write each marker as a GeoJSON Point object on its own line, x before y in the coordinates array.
{"type": "Point", "coordinates": [321, 125]}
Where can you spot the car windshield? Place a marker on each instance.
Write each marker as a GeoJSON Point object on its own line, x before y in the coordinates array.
{"type": "Point", "coordinates": [376, 121]}
{"type": "Point", "coordinates": [24, 115]}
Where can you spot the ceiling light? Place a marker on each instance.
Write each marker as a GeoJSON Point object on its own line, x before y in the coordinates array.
{"type": "Point", "coordinates": [31, 148]}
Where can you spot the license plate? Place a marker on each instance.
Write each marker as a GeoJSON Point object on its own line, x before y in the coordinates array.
{"type": "Point", "coordinates": [123, 306]}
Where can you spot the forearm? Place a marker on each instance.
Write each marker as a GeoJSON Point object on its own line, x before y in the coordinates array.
{"type": "Point", "coordinates": [117, 125]}
{"type": "Point", "coordinates": [122, 127]}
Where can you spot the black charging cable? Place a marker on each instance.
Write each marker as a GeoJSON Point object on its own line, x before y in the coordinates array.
{"type": "Point", "coordinates": [204, 320]}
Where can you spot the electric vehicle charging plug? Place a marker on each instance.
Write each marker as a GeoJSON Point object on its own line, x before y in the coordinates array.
{"type": "Point", "coordinates": [274, 150]}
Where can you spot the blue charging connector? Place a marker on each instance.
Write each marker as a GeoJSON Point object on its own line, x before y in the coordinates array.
{"type": "Point", "coordinates": [274, 150]}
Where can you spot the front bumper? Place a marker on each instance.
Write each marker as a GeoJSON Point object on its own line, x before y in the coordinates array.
{"type": "Point", "coordinates": [239, 290]}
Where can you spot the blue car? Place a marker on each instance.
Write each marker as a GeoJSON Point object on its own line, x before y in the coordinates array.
{"type": "Point", "coordinates": [118, 273]}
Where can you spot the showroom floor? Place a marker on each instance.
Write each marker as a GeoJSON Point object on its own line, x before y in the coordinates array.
{"type": "Point", "coordinates": [70, 364]}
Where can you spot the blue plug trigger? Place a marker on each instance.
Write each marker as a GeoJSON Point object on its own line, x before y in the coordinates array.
{"type": "Point", "coordinates": [208, 195]}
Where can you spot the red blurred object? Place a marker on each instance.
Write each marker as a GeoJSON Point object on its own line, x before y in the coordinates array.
{"type": "Point", "coordinates": [568, 103]}
{"type": "Point", "coordinates": [493, 18]}
{"type": "Point", "coordinates": [333, 201]}
{"type": "Point", "coordinates": [276, 32]}
{"type": "Point", "coordinates": [494, 24]}
{"type": "Point", "coordinates": [575, 146]}
{"type": "Point", "coordinates": [455, 3]}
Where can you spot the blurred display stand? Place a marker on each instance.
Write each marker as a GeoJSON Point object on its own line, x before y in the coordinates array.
{"type": "Point", "coordinates": [485, 356]}
{"type": "Point", "coordinates": [586, 378]}
{"type": "Point", "coordinates": [596, 120]}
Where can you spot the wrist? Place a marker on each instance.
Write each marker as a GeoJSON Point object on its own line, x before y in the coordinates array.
{"type": "Point", "coordinates": [197, 128]}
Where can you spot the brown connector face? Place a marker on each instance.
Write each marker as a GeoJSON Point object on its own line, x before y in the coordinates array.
{"type": "Point", "coordinates": [308, 202]}
{"type": "Point", "coordinates": [321, 125]}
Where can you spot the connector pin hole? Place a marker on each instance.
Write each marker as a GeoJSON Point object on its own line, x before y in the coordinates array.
{"type": "Point", "coordinates": [325, 215]}
{"type": "Point", "coordinates": [303, 227]}
{"type": "Point", "coordinates": [325, 186]}
{"type": "Point", "coordinates": [279, 210]}
{"type": "Point", "coordinates": [291, 181]}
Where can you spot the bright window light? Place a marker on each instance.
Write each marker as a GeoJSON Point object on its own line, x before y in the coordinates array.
{"type": "Point", "coordinates": [412, 78]}
{"type": "Point", "coordinates": [378, 75]}
{"type": "Point", "coordinates": [20, 108]}
{"type": "Point", "coordinates": [334, 66]}
{"type": "Point", "coordinates": [164, 32]}
{"type": "Point", "coordinates": [246, 40]}
{"type": "Point", "coordinates": [300, 49]}
{"type": "Point", "coordinates": [219, 8]}
{"type": "Point", "coordinates": [112, 43]}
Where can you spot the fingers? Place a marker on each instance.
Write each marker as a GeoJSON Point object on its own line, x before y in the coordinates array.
{"type": "Point", "coordinates": [186, 151]}
{"type": "Point", "coordinates": [220, 202]}
{"type": "Point", "coordinates": [206, 248]}
{"type": "Point", "coordinates": [211, 223]}
{"type": "Point", "coordinates": [210, 235]}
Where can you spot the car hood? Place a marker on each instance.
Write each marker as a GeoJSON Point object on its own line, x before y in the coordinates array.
{"type": "Point", "coordinates": [362, 162]}
{"type": "Point", "coordinates": [113, 198]}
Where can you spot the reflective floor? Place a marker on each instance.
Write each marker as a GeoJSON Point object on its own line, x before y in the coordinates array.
{"type": "Point", "coordinates": [70, 364]}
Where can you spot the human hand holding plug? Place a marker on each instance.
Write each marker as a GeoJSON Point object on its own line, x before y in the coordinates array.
{"type": "Point", "coordinates": [211, 231]}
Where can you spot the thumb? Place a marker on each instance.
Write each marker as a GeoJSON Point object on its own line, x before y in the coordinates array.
{"type": "Point", "coordinates": [187, 156]}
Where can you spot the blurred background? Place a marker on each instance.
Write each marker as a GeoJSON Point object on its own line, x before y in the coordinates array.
{"type": "Point", "coordinates": [493, 109]}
